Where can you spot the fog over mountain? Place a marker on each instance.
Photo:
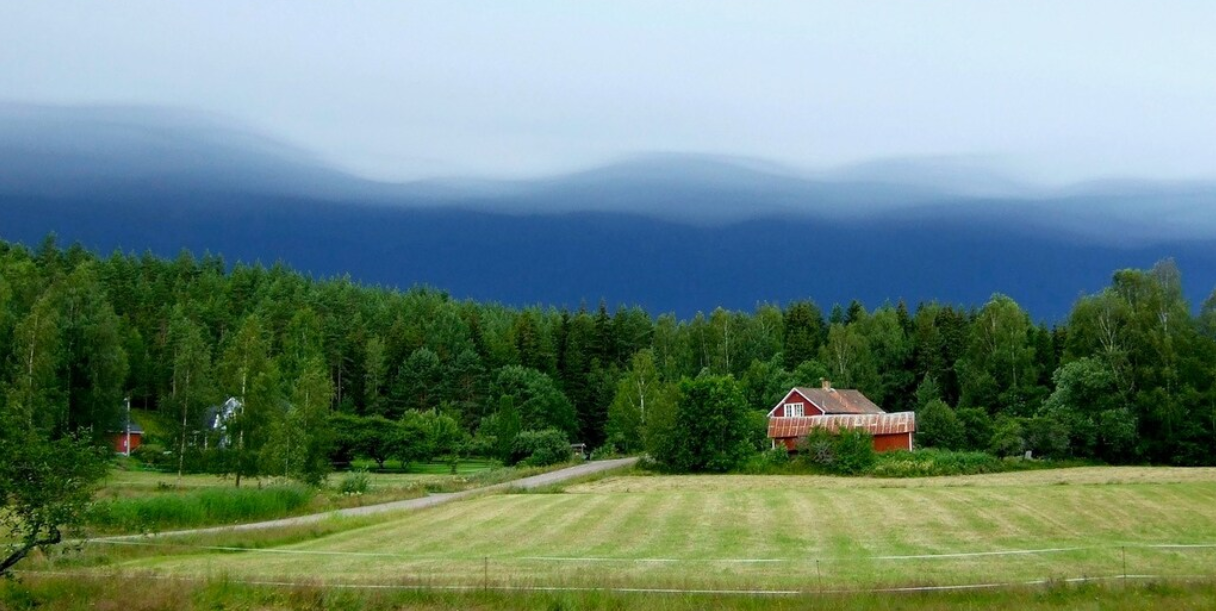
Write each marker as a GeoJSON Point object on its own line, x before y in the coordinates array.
{"type": "Point", "coordinates": [669, 231]}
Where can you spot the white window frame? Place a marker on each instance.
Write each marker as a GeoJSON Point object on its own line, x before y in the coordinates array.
{"type": "Point", "coordinates": [795, 410]}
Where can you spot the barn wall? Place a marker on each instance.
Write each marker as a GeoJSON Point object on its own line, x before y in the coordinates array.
{"type": "Point", "coordinates": [119, 441]}
{"type": "Point", "coordinates": [882, 443]}
{"type": "Point", "coordinates": [887, 443]}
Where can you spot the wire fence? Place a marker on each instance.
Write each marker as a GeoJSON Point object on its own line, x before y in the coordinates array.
{"type": "Point", "coordinates": [787, 576]}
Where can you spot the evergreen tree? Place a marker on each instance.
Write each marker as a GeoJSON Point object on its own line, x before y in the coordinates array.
{"type": "Point", "coordinates": [803, 333]}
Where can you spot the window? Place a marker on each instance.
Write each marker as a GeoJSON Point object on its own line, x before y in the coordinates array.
{"type": "Point", "coordinates": [794, 410]}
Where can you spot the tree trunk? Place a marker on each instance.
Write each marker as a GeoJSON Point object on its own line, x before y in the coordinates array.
{"type": "Point", "coordinates": [20, 553]}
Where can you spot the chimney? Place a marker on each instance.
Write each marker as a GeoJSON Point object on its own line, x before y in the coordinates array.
{"type": "Point", "coordinates": [826, 383]}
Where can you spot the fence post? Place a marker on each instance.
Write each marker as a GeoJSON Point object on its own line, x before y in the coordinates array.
{"type": "Point", "coordinates": [485, 579]}
{"type": "Point", "coordinates": [1124, 548]}
{"type": "Point", "coordinates": [819, 574]}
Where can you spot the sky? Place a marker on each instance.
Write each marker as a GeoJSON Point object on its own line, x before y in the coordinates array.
{"type": "Point", "coordinates": [1055, 91]}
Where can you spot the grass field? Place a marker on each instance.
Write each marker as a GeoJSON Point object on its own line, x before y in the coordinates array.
{"type": "Point", "coordinates": [771, 533]}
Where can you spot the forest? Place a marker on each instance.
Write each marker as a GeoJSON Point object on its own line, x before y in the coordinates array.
{"type": "Point", "coordinates": [327, 369]}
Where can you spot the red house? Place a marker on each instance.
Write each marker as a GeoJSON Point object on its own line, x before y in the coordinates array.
{"type": "Point", "coordinates": [834, 409]}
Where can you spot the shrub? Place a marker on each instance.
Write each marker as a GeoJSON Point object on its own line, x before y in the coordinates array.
{"type": "Point", "coordinates": [153, 455]}
{"type": "Point", "coordinates": [977, 427]}
{"type": "Point", "coordinates": [933, 462]}
{"type": "Point", "coordinates": [1007, 437]}
{"type": "Point", "coordinates": [608, 450]}
{"type": "Point", "coordinates": [938, 426]}
{"type": "Point", "coordinates": [541, 448]}
{"type": "Point", "coordinates": [854, 451]}
{"type": "Point", "coordinates": [848, 452]}
{"type": "Point", "coordinates": [354, 483]}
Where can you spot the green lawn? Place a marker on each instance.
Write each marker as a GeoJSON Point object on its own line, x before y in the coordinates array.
{"type": "Point", "coordinates": [745, 532]}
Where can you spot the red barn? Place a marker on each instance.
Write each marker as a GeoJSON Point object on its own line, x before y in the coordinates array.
{"type": "Point", "coordinates": [127, 440]}
{"type": "Point", "coordinates": [803, 409]}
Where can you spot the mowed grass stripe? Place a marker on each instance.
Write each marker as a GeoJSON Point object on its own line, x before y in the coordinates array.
{"type": "Point", "coordinates": [713, 533]}
{"type": "Point", "coordinates": [619, 526]}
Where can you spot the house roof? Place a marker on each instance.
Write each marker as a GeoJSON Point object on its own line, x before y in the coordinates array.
{"type": "Point", "coordinates": [876, 424]}
{"type": "Point", "coordinates": [834, 401]}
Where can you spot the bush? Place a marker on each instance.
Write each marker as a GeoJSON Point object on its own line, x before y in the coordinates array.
{"type": "Point", "coordinates": [542, 448]}
{"type": "Point", "coordinates": [848, 452]}
{"type": "Point", "coordinates": [938, 426]}
{"type": "Point", "coordinates": [933, 462]}
{"type": "Point", "coordinates": [854, 452]}
{"type": "Point", "coordinates": [154, 456]}
{"type": "Point", "coordinates": [355, 483]}
{"type": "Point", "coordinates": [604, 452]}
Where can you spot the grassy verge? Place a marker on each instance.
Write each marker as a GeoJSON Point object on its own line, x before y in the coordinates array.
{"type": "Point", "coordinates": [138, 501]}
{"type": "Point", "coordinates": [136, 593]}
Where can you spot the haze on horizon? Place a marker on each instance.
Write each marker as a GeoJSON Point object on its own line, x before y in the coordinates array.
{"type": "Point", "coordinates": [1052, 92]}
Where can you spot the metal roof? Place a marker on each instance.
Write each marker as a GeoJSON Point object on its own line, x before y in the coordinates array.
{"type": "Point", "coordinates": [876, 424]}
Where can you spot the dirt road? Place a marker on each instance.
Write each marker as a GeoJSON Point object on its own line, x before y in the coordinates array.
{"type": "Point", "coordinates": [536, 481]}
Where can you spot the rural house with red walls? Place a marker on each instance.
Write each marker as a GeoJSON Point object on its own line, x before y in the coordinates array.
{"type": "Point", "coordinates": [834, 409]}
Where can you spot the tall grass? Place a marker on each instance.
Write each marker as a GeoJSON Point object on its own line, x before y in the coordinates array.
{"type": "Point", "coordinates": [141, 592]}
{"type": "Point", "coordinates": [203, 507]}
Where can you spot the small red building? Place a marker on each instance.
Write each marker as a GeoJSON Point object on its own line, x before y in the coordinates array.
{"type": "Point", "coordinates": [834, 409]}
{"type": "Point", "coordinates": [127, 440]}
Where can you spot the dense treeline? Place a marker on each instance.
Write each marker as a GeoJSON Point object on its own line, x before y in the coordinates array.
{"type": "Point", "coordinates": [1128, 378]}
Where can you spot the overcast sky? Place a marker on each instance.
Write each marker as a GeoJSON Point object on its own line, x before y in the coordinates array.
{"type": "Point", "coordinates": [1058, 90]}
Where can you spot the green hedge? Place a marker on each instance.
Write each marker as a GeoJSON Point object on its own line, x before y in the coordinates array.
{"type": "Point", "coordinates": [931, 461]}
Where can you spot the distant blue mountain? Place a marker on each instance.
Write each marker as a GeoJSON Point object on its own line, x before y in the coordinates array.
{"type": "Point", "coordinates": [668, 232]}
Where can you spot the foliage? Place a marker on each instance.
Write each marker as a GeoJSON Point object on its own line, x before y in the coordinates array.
{"type": "Point", "coordinates": [500, 429]}
{"type": "Point", "coordinates": [933, 462]}
{"type": "Point", "coordinates": [847, 452]}
{"type": "Point", "coordinates": [709, 431]}
{"type": "Point", "coordinates": [640, 390]}
{"type": "Point", "coordinates": [977, 428]}
{"type": "Point", "coordinates": [606, 451]}
{"type": "Point", "coordinates": [300, 441]}
{"type": "Point", "coordinates": [207, 506]}
{"type": "Point", "coordinates": [540, 403]}
{"type": "Point", "coordinates": [1127, 378]}
{"type": "Point", "coordinates": [45, 486]}
{"type": "Point", "coordinates": [938, 426]}
{"type": "Point", "coordinates": [353, 483]}
{"type": "Point", "coordinates": [541, 448]}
